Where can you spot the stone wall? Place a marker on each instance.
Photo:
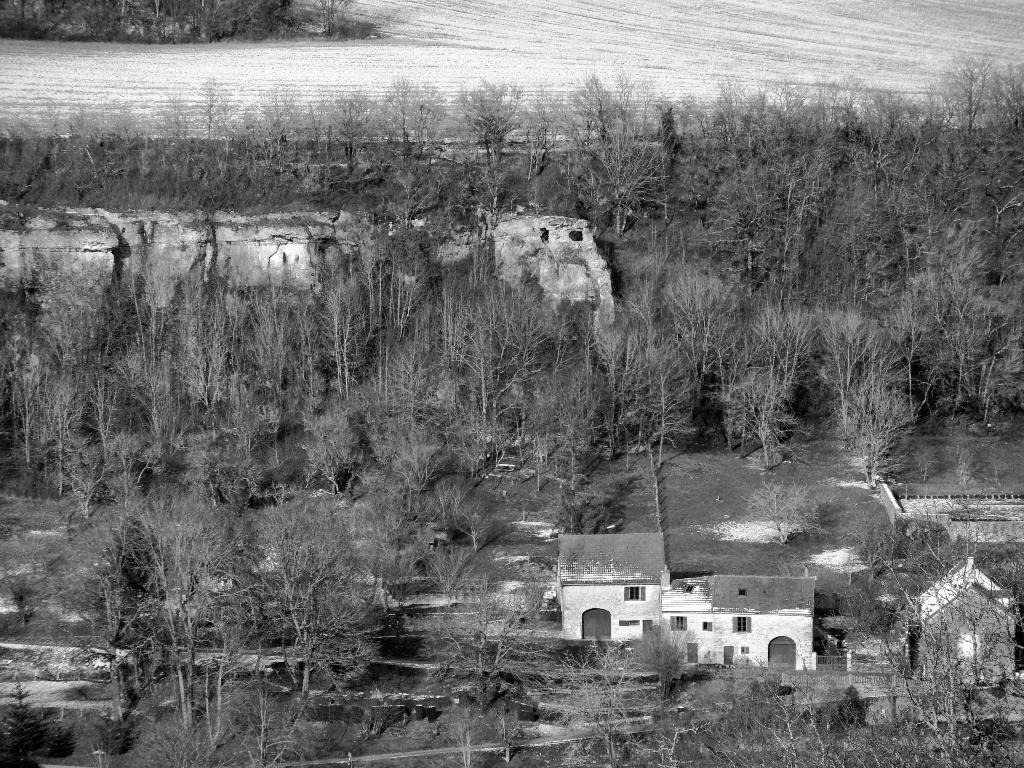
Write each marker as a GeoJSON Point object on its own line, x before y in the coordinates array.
{"type": "Point", "coordinates": [765, 627]}
{"type": "Point", "coordinates": [579, 598]}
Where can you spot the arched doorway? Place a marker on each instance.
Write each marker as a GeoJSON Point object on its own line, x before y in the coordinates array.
{"type": "Point", "coordinates": [782, 652]}
{"type": "Point", "coordinates": [597, 624]}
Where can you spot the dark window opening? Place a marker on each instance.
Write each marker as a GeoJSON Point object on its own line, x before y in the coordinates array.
{"type": "Point", "coordinates": [576, 235]}
{"type": "Point", "coordinates": [742, 592]}
{"type": "Point", "coordinates": [679, 623]}
{"type": "Point", "coordinates": [742, 624]}
{"type": "Point", "coordinates": [707, 626]}
{"type": "Point", "coordinates": [745, 650]}
{"type": "Point", "coordinates": [544, 234]}
{"type": "Point", "coordinates": [629, 622]}
{"type": "Point", "coordinates": [635, 593]}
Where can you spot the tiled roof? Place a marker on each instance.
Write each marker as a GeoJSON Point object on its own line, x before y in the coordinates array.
{"type": "Point", "coordinates": [614, 558]}
{"type": "Point", "coordinates": [687, 595]}
{"type": "Point", "coordinates": [762, 594]}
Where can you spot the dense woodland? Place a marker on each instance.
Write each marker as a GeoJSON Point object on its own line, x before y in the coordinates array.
{"type": "Point", "coordinates": [179, 21]}
{"type": "Point", "coordinates": [834, 260]}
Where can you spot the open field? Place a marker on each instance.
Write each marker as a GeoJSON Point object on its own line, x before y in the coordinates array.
{"type": "Point", "coordinates": [682, 49]}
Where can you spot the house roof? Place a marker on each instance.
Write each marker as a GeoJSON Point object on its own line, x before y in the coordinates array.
{"type": "Point", "coordinates": [687, 595]}
{"type": "Point", "coordinates": [613, 558]}
{"type": "Point", "coordinates": [954, 584]}
{"type": "Point", "coordinates": [762, 594]}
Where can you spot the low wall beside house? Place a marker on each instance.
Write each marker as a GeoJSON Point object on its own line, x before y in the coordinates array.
{"type": "Point", "coordinates": [889, 502]}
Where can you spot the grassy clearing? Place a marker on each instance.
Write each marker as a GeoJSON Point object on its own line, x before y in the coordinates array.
{"type": "Point", "coordinates": [703, 491]}
{"type": "Point", "coordinates": [684, 50]}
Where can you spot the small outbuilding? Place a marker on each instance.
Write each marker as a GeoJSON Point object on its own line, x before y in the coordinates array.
{"type": "Point", "coordinates": [965, 625]}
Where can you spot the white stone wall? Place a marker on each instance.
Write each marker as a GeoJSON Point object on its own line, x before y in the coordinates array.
{"type": "Point", "coordinates": [764, 628]}
{"type": "Point", "coordinates": [579, 598]}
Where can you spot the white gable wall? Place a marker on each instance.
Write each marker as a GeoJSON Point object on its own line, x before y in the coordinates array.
{"type": "Point", "coordinates": [577, 598]}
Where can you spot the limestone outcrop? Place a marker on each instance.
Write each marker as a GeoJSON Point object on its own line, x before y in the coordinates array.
{"type": "Point", "coordinates": [560, 254]}
{"type": "Point", "coordinates": [275, 248]}
{"type": "Point", "coordinates": [89, 247]}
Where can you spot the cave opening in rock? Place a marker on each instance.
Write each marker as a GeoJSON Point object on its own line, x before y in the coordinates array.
{"type": "Point", "coordinates": [544, 234]}
{"type": "Point", "coordinates": [576, 235]}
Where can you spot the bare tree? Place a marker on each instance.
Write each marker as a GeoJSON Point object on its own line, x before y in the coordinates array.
{"type": "Point", "coordinates": [450, 568]}
{"type": "Point", "coordinates": [463, 730]}
{"type": "Point", "coordinates": [790, 509]}
{"type": "Point", "coordinates": [663, 654]}
{"type": "Point", "coordinates": [701, 309]}
{"type": "Point", "coordinates": [315, 590]}
{"type": "Point", "coordinates": [206, 327]}
{"type": "Point", "coordinates": [478, 524]}
{"type": "Point", "coordinates": [603, 695]}
{"type": "Point", "coordinates": [617, 159]}
{"type": "Point", "coordinates": [759, 388]}
{"type": "Point", "coordinates": [215, 103]}
{"type": "Point", "coordinates": [344, 324]}
{"type": "Point", "coordinates": [331, 15]}
{"type": "Point", "coordinates": [449, 495]}
{"type": "Point", "coordinates": [412, 115]}
{"type": "Point", "coordinates": [880, 417]}
{"type": "Point", "coordinates": [187, 554]}
{"type": "Point", "coordinates": [966, 91]}
{"type": "Point", "coordinates": [491, 636]}
{"type": "Point", "coordinates": [334, 447]}
{"type": "Point", "coordinates": [541, 120]}
{"type": "Point", "coordinates": [850, 342]}
{"type": "Point", "coordinates": [491, 113]}
{"type": "Point", "coordinates": [416, 461]}
{"type": "Point", "coordinates": [353, 117]}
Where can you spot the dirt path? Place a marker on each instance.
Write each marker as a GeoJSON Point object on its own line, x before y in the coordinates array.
{"type": "Point", "coordinates": [543, 741]}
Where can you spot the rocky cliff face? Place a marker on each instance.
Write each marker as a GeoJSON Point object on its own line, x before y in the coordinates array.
{"type": "Point", "coordinates": [94, 245]}
{"type": "Point", "coordinates": [90, 247]}
{"type": "Point", "coordinates": [560, 254]}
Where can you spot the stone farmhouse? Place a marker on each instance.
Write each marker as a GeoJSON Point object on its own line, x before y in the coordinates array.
{"type": "Point", "coordinates": [967, 625]}
{"type": "Point", "coordinates": [617, 586]}
{"type": "Point", "coordinates": [743, 619]}
{"type": "Point", "coordinates": [609, 585]}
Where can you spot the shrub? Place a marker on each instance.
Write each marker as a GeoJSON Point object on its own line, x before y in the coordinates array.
{"type": "Point", "coordinates": [60, 741]}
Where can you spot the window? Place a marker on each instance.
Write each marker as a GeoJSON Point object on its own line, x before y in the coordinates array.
{"type": "Point", "coordinates": [679, 623]}
{"type": "Point", "coordinates": [635, 593]}
{"type": "Point", "coordinates": [745, 650]}
{"type": "Point", "coordinates": [741, 592]}
{"type": "Point", "coordinates": [629, 622]}
{"type": "Point", "coordinates": [707, 626]}
{"type": "Point", "coordinates": [741, 624]}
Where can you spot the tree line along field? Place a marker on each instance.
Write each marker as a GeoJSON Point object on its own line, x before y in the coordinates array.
{"type": "Point", "coordinates": [684, 50]}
